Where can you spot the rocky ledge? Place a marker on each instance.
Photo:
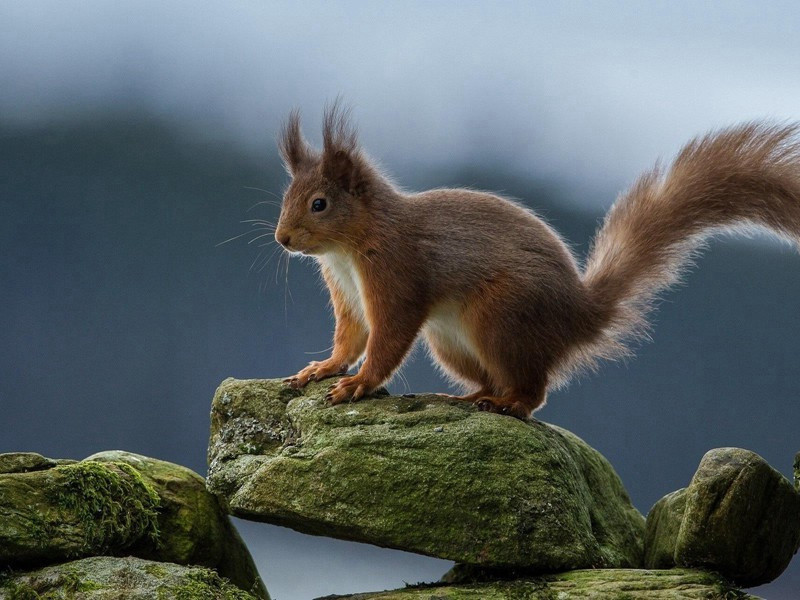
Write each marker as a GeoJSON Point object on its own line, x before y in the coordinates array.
{"type": "Point", "coordinates": [594, 584]}
{"type": "Point", "coordinates": [113, 504]}
{"type": "Point", "coordinates": [527, 510]}
{"type": "Point", "coordinates": [424, 474]}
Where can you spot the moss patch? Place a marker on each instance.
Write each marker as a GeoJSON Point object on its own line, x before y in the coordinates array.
{"type": "Point", "coordinates": [203, 584]}
{"type": "Point", "coordinates": [114, 505]}
{"type": "Point", "coordinates": [64, 586]}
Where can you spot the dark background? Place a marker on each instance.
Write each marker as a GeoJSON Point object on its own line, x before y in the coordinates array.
{"type": "Point", "coordinates": [131, 136]}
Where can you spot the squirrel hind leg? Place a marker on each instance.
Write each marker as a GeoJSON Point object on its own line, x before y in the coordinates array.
{"type": "Point", "coordinates": [460, 368]}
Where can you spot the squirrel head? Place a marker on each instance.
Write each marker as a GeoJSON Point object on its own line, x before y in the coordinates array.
{"type": "Point", "coordinates": [328, 199]}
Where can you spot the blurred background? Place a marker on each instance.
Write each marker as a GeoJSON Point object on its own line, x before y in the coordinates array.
{"type": "Point", "coordinates": [136, 136]}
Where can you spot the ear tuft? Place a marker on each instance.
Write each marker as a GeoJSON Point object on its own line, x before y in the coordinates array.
{"type": "Point", "coordinates": [294, 149]}
{"type": "Point", "coordinates": [342, 160]}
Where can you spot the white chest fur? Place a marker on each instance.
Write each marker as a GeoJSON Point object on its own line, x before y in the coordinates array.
{"type": "Point", "coordinates": [346, 277]}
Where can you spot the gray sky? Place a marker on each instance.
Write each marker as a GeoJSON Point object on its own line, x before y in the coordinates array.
{"type": "Point", "coordinates": [586, 92]}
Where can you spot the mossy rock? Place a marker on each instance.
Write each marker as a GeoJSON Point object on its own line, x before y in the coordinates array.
{"type": "Point", "coordinates": [25, 462]}
{"type": "Point", "coordinates": [118, 503]}
{"type": "Point", "coordinates": [425, 474]}
{"type": "Point", "coordinates": [193, 529]}
{"type": "Point", "coordinates": [106, 578]}
{"type": "Point", "coordinates": [74, 510]}
{"type": "Point", "coordinates": [594, 584]}
{"type": "Point", "coordinates": [739, 517]}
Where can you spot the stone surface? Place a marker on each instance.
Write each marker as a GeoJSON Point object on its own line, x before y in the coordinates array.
{"type": "Point", "coordinates": [596, 584]}
{"type": "Point", "coordinates": [663, 526]}
{"type": "Point", "coordinates": [107, 578]}
{"type": "Point", "coordinates": [119, 503]}
{"type": "Point", "coordinates": [738, 516]}
{"type": "Point", "coordinates": [23, 462]}
{"type": "Point", "coordinates": [423, 474]}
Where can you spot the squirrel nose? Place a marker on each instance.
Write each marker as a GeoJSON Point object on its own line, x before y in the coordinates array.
{"type": "Point", "coordinates": [284, 239]}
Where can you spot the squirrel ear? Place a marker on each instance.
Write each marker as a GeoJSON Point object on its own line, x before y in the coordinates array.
{"type": "Point", "coordinates": [342, 161]}
{"type": "Point", "coordinates": [294, 149]}
{"type": "Point", "coordinates": [341, 168]}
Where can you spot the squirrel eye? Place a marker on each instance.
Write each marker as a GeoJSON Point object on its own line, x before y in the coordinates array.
{"type": "Point", "coordinates": [318, 205]}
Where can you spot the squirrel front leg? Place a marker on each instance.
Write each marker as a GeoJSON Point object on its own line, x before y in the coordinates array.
{"type": "Point", "coordinates": [349, 341]}
{"type": "Point", "coordinates": [394, 325]}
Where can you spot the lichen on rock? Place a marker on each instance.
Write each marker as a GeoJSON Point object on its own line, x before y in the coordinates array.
{"type": "Point", "coordinates": [423, 474]}
{"type": "Point", "coordinates": [103, 578]}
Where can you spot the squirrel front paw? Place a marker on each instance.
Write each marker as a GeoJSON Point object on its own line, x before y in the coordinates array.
{"type": "Point", "coordinates": [316, 371]}
{"type": "Point", "coordinates": [348, 389]}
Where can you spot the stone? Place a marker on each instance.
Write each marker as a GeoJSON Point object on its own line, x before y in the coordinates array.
{"type": "Point", "coordinates": [425, 474]}
{"type": "Point", "coordinates": [130, 578]}
{"type": "Point", "coordinates": [24, 462]}
{"type": "Point", "coordinates": [117, 503]}
{"type": "Point", "coordinates": [663, 526]}
{"type": "Point", "coordinates": [738, 516]}
{"type": "Point", "coordinates": [594, 584]}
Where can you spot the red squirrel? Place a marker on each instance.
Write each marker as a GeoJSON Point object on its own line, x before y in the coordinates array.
{"type": "Point", "coordinates": [495, 292]}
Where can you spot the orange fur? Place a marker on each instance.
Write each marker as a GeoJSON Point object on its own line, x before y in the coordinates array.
{"type": "Point", "coordinates": [493, 289]}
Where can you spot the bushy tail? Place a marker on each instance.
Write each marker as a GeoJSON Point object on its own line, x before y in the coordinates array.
{"type": "Point", "coordinates": [743, 176]}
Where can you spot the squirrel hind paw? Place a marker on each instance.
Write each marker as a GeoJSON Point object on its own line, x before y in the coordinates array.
{"type": "Point", "coordinates": [511, 406]}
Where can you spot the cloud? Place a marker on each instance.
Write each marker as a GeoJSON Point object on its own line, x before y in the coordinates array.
{"type": "Point", "coordinates": [590, 93]}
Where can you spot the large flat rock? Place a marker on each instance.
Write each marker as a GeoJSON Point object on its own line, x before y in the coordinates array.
{"type": "Point", "coordinates": [595, 584]}
{"type": "Point", "coordinates": [423, 474]}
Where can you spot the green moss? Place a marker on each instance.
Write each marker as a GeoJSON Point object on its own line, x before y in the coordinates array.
{"type": "Point", "coordinates": [114, 505]}
{"type": "Point", "coordinates": [609, 584]}
{"type": "Point", "coordinates": [203, 584]}
{"type": "Point", "coordinates": [21, 592]}
{"type": "Point", "coordinates": [156, 570]}
{"type": "Point", "coordinates": [64, 587]}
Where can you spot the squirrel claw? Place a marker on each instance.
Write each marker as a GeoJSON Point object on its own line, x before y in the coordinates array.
{"type": "Point", "coordinates": [316, 371]}
{"type": "Point", "coordinates": [348, 389]}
